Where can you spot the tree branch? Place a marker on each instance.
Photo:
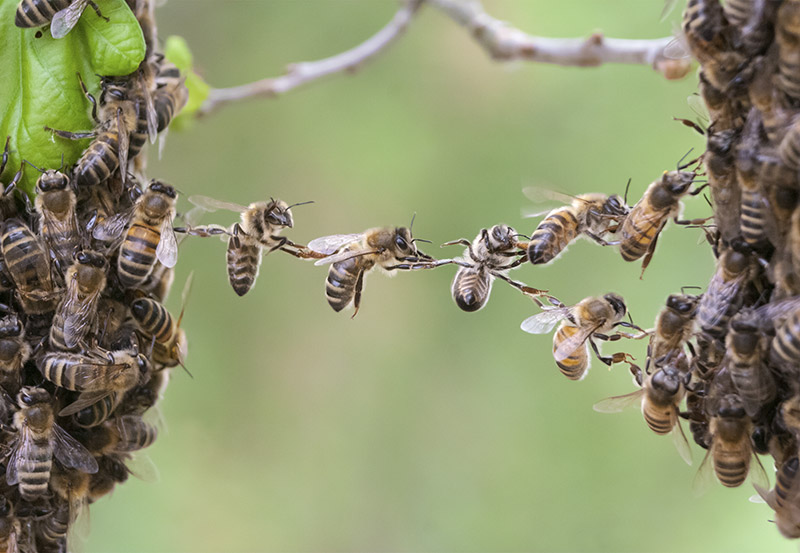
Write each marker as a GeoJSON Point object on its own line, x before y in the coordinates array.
{"type": "Point", "coordinates": [502, 42]}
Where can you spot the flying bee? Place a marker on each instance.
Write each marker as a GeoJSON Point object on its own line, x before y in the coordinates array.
{"type": "Point", "coordinates": [673, 328]}
{"type": "Point", "coordinates": [257, 234]}
{"type": "Point", "coordinates": [28, 266]}
{"type": "Point", "coordinates": [62, 15]}
{"type": "Point", "coordinates": [660, 396]}
{"type": "Point", "coordinates": [352, 256]}
{"type": "Point", "coordinates": [590, 215]}
{"type": "Point", "coordinates": [593, 317]}
{"type": "Point", "coordinates": [38, 440]}
{"type": "Point", "coordinates": [731, 450]}
{"type": "Point", "coordinates": [492, 254]}
{"type": "Point", "coordinates": [14, 352]}
{"type": "Point", "coordinates": [784, 499]}
{"type": "Point", "coordinates": [751, 376]}
{"type": "Point", "coordinates": [148, 234]}
{"type": "Point", "coordinates": [787, 35]}
{"type": "Point", "coordinates": [76, 314]}
{"type": "Point", "coordinates": [661, 201]}
{"type": "Point", "coordinates": [723, 296]}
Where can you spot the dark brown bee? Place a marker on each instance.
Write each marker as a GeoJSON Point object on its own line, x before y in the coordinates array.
{"type": "Point", "coordinates": [784, 499]}
{"type": "Point", "coordinates": [28, 265]}
{"type": "Point", "coordinates": [746, 350]}
{"type": "Point", "coordinates": [55, 205]}
{"type": "Point", "coordinates": [754, 207]}
{"type": "Point", "coordinates": [674, 327]}
{"type": "Point", "coordinates": [722, 179]}
{"type": "Point", "coordinates": [76, 314]}
{"type": "Point", "coordinates": [723, 296]}
{"type": "Point", "coordinates": [14, 352]}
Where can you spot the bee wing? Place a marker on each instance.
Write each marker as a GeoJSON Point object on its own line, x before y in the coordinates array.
{"type": "Point", "coordinates": [765, 495]}
{"type": "Point", "coordinates": [124, 144]}
{"type": "Point", "coordinates": [571, 344]}
{"type": "Point", "coordinates": [64, 20]}
{"type": "Point", "coordinates": [669, 5]}
{"type": "Point", "coordinates": [211, 204]}
{"type": "Point", "coordinates": [777, 311]}
{"type": "Point", "coordinates": [77, 323]}
{"type": "Point", "coordinates": [616, 404]}
{"type": "Point", "coordinates": [167, 249]}
{"type": "Point", "coordinates": [56, 226]}
{"type": "Point", "coordinates": [333, 243]}
{"type": "Point", "coordinates": [543, 323]}
{"type": "Point", "coordinates": [23, 442]}
{"type": "Point", "coordinates": [71, 453]}
{"type": "Point", "coordinates": [704, 478]}
{"type": "Point", "coordinates": [720, 299]}
{"type": "Point", "coordinates": [111, 229]}
{"type": "Point", "coordinates": [84, 400]}
{"type": "Point", "coordinates": [344, 256]}
{"type": "Point", "coordinates": [677, 48]}
{"type": "Point", "coordinates": [142, 467]}
{"type": "Point", "coordinates": [681, 443]}
{"type": "Point", "coordinates": [150, 113]}
{"type": "Point", "coordinates": [699, 107]}
{"type": "Point", "coordinates": [758, 476]}
{"type": "Point", "coordinates": [538, 195]}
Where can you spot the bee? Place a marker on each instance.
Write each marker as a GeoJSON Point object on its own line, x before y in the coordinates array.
{"type": "Point", "coordinates": [144, 10]}
{"type": "Point", "coordinates": [661, 201]}
{"type": "Point", "coordinates": [787, 35]}
{"type": "Point", "coordinates": [491, 255]}
{"type": "Point", "coordinates": [163, 329]}
{"type": "Point", "coordinates": [674, 327]}
{"type": "Point", "coordinates": [14, 352]}
{"type": "Point", "coordinates": [352, 256]}
{"type": "Point", "coordinates": [751, 21]}
{"type": "Point", "coordinates": [28, 266]}
{"type": "Point", "coordinates": [76, 314]}
{"type": "Point", "coordinates": [725, 191]}
{"type": "Point", "coordinates": [38, 440]}
{"type": "Point", "coordinates": [731, 450]}
{"type": "Point", "coordinates": [257, 234]}
{"type": "Point", "coordinates": [71, 490]}
{"type": "Point", "coordinates": [789, 149]}
{"type": "Point", "coordinates": [751, 377]}
{"type": "Point", "coordinates": [660, 396]}
{"type": "Point", "coordinates": [590, 215]}
{"type": "Point", "coordinates": [98, 412]}
{"type": "Point", "coordinates": [722, 114]}
{"type": "Point", "coordinates": [696, 415]}
{"type": "Point", "coordinates": [762, 96]}
{"type": "Point", "coordinates": [62, 15]}
{"type": "Point", "coordinates": [148, 234]}
{"type": "Point", "coordinates": [170, 95]}
{"type": "Point", "coordinates": [122, 435]}
{"type": "Point", "coordinates": [593, 317]}
{"type": "Point", "coordinates": [112, 471]}
{"type": "Point", "coordinates": [754, 207]}
{"type": "Point", "coordinates": [784, 499]}
{"type": "Point", "coordinates": [10, 528]}
{"type": "Point", "coordinates": [723, 296]}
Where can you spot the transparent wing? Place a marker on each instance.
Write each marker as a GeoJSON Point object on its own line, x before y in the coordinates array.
{"type": "Point", "coordinates": [333, 243]}
{"type": "Point", "coordinates": [681, 443]}
{"type": "Point", "coordinates": [705, 476]}
{"type": "Point", "coordinates": [23, 440]}
{"type": "Point", "coordinates": [79, 321]}
{"type": "Point", "coordinates": [717, 300]}
{"type": "Point", "coordinates": [678, 48]}
{"type": "Point", "coordinates": [538, 195]}
{"type": "Point", "coordinates": [111, 229]}
{"type": "Point", "coordinates": [84, 400]}
{"type": "Point", "coordinates": [758, 476]}
{"type": "Point", "coordinates": [71, 453]}
{"type": "Point", "coordinates": [616, 404]}
{"type": "Point", "coordinates": [698, 106]}
{"type": "Point", "coordinates": [142, 467]}
{"type": "Point", "coordinates": [571, 344]}
{"type": "Point", "coordinates": [57, 227]}
{"type": "Point", "coordinates": [777, 311]}
{"type": "Point", "coordinates": [167, 249]}
{"type": "Point", "coordinates": [66, 19]}
{"type": "Point", "coordinates": [211, 204]}
{"type": "Point", "coordinates": [124, 144]}
{"type": "Point", "coordinates": [669, 5]}
{"type": "Point", "coordinates": [344, 256]}
{"type": "Point", "coordinates": [150, 111]}
{"type": "Point", "coordinates": [544, 322]}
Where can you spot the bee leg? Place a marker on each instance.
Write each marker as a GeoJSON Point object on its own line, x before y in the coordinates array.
{"type": "Point", "coordinates": [280, 244]}
{"type": "Point", "coordinates": [89, 97]}
{"type": "Point", "coordinates": [692, 221]}
{"type": "Point", "coordinates": [357, 298]}
{"type": "Point", "coordinates": [96, 9]}
{"type": "Point", "coordinates": [597, 239]}
{"type": "Point", "coordinates": [13, 185]}
{"type": "Point", "coordinates": [525, 289]}
{"type": "Point", "coordinates": [4, 160]}
{"type": "Point", "coordinates": [626, 324]}
{"type": "Point", "coordinates": [71, 135]}
{"type": "Point", "coordinates": [236, 242]}
{"type": "Point", "coordinates": [649, 255]}
{"type": "Point", "coordinates": [463, 242]}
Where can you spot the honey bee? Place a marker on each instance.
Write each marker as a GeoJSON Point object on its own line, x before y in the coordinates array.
{"type": "Point", "coordinates": [725, 191]}
{"type": "Point", "coordinates": [751, 21]}
{"type": "Point", "coordinates": [660, 396]}
{"type": "Point", "coordinates": [352, 256]}
{"type": "Point", "coordinates": [593, 317]}
{"type": "Point", "coordinates": [112, 471]}
{"type": "Point", "coordinates": [661, 201]}
{"type": "Point", "coordinates": [590, 215]}
{"type": "Point", "coordinates": [14, 352]}
{"type": "Point", "coordinates": [751, 377]}
{"type": "Point", "coordinates": [76, 314]}
{"type": "Point", "coordinates": [62, 15]}
{"type": "Point", "coordinates": [784, 499]}
{"type": "Point", "coordinates": [762, 96]}
{"type": "Point", "coordinates": [723, 296]}
{"type": "Point", "coordinates": [98, 412]}
{"type": "Point", "coordinates": [731, 450]}
{"type": "Point", "coordinates": [787, 35]}
{"type": "Point", "coordinates": [170, 94]}
{"type": "Point", "coordinates": [28, 266]}
{"type": "Point", "coordinates": [124, 434]}
{"type": "Point", "coordinates": [257, 234]}
{"type": "Point", "coordinates": [71, 490]}
{"type": "Point", "coordinates": [754, 207]}
{"type": "Point", "coordinates": [789, 149]}
{"type": "Point", "coordinates": [169, 339]}
{"type": "Point", "coordinates": [722, 114]}
{"type": "Point", "coordinates": [10, 527]}
{"type": "Point", "coordinates": [673, 328]}
{"type": "Point", "coordinates": [148, 237]}
{"type": "Point", "coordinates": [38, 440]}
{"type": "Point", "coordinates": [491, 255]}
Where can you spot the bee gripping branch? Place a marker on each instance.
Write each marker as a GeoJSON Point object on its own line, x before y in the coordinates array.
{"type": "Point", "coordinates": [500, 40]}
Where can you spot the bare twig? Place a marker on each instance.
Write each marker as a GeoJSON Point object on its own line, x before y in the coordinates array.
{"type": "Point", "coordinates": [505, 43]}
{"type": "Point", "coordinates": [499, 39]}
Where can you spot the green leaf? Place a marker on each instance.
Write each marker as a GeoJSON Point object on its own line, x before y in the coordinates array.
{"type": "Point", "coordinates": [39, 84]}
{"type": "Point", "coordinates": [177, 51]}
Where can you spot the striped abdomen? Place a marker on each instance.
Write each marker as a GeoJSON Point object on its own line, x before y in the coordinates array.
{"type": "Point", "coordinates": [753, 217]}
{"type": "Point", "coordinates": [785, 480]}
{"type": "Point", "coordinates": [137, 255]}
{"type": "Point", "coordinates": [33, 467]}
{"type": "Point", "coordinates": [52, 529]}
{"type": "Point", "coordinates": [786, 345]}
{"type": "Point", "coordinates": [57, 339]}
{"type": "Point", "coordinates": [576, 364]}
{"type": "Point", "coordinates": [789, 149]}
{"type": "Point", "coordinates": [788, 78]}
{"type": "Point", "coordinates": [98, 412]}
{"type": "Point", "coordinates": [29, 267]}
{"type": "Point", "coordinates": [552, 235]}
{"type": "Point", "coordinates": [659, 419]}
{"type": "Point", "coordinates": [139, 134]}
{"type": "Point", "coordinates": [83, 374]}
{"type": "Point", "coordinates": [340, 286]}
{"type": "Point", "coordinates": [37, 13]}
{"type": "Point", "coordinates": [638, 231]}
{"type": "Point", "coordinates": [136, 434]}
{"type": "Point", "coordinates": [730, 464]}
{"type": "Point", "coordinates": [168, 101]}
{"type": "Point", "coordinates": [99, 160]}
{"type": "Point", "coordinates": [154, 319]}
{"type": "Point", "coordinates": [471, 288]}
{"type": "Point", "coordinates": [243, 264]}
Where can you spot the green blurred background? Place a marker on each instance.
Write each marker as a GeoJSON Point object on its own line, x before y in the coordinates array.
{"type": "Point", "coordinates": [417, 427]}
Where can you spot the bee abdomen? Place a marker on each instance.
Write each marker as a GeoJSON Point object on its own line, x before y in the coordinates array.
{"type": "Point", "coordinates": [658, 422]}
{"type": "Point", "coordinates": [53, 529]}
{"type": "Point", "coordinates": [57, 339]}
{"type": "Point", "coordinates": [471, 289]}
{"type": "Point", "coordinates": [731, 470]}
{"type": "Point", "coordinates": [576, 364]}
{"type": "Point", "coordinates": [99, 160]}
{"type": "Point", "coordinates": [753, 217]}
{"type": "Point", "coordinates": [552, 235]}
{"type": "Point", "coordinates": [340, 286]}
{"type": "Point", "coordinates": [243, 265]}
{"type": "Point", "coordinates": [137, 255]}
{"type": "Point", "coordinates": [34, 470]}
{"type": "Point", "coordinates": [785, 479]}
{"type": "Point", "coordinates": [636, 240]}
{"type": "Point", "coordinates": [36, 13]}
{"type": "Point", "coordinates": [786, 344]}
{"type": "Point", "coordinates": [98, 412]}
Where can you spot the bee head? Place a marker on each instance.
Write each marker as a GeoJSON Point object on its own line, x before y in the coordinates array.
{"type": "Point", "coordinates": [52, 180]}
{"type": "Point", "coordinates": [501, 237]}
{"type": "Point", "coordinates": [617, 303]}
{"type": "Point", "coordinates": [682, 303]}
{"type": "Point", "coordinates": [92, 259]}
{"type": "Point", "coordinates": [163, 188]}
{"type": "Point", "coordinates": [278, 214]}
{"type": "Point", "coordinates": [667, 379]}
{"type": "Point", "coordinates": [615, 205]}
{"type": "Point", "coordinates": [31, 395]}
{"type": "Point", "coordinates": [10, 326]}
{"type": "Point", "coordinates": [731, 407]}
{"type": "Point", "coordinates": [403, 242]}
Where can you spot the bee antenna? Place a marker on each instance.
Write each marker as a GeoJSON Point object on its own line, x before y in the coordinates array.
{"type": "Point", "coordinates": [627, 187]}
{"type": "Point", "coordinates": [682, 167]}
{"type": "Point", "coordinates": [708, 201]}
{"type": "Point", "coordinates": [62, 163]}
{"type": "Point", "coordinates": [684, 288]}
{"type": "Point", "coordinates": [300, 203]}
{"type": "Point", "coordinates": [32, 165]}
{"type": "Point", "coordinates": [187, 370]}
{"type": "Point", "coordinates": [412, 221]}
{"type": "Point", "coordinates": [421, 240]}
{"type": "Point", "coordinates": [517, 235]}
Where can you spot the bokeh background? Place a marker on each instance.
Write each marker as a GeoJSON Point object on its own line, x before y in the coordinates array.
{"type": "Point", "coordinates": [417, 427]}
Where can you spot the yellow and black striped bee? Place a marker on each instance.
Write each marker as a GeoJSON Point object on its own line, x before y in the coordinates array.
{"type": "Point", "coordinates": [159, 326]}
{"type": "Point", "coordinates": [674, 328]}
{"type": "Point", "coordinates": [38, 440]}
{"type": "Point", "coordinates": [589, 215]}
{"type": "Point", "coordinates": [352, 256]}
{"type": "Point", "coordinates": [492, 254]}
{"type": "Point", "coordinates": [593, 317]}
{"type": "Point", "coordinates": [77, 312]}
{"type": "Point", "coordinates": [28, 265]}
{"type": "Point", "coordinates": [170, 94]}
{"type": "Point", "coordinates": [784, 499]}
{"type": "Point", "coordinates": [62, 15]}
